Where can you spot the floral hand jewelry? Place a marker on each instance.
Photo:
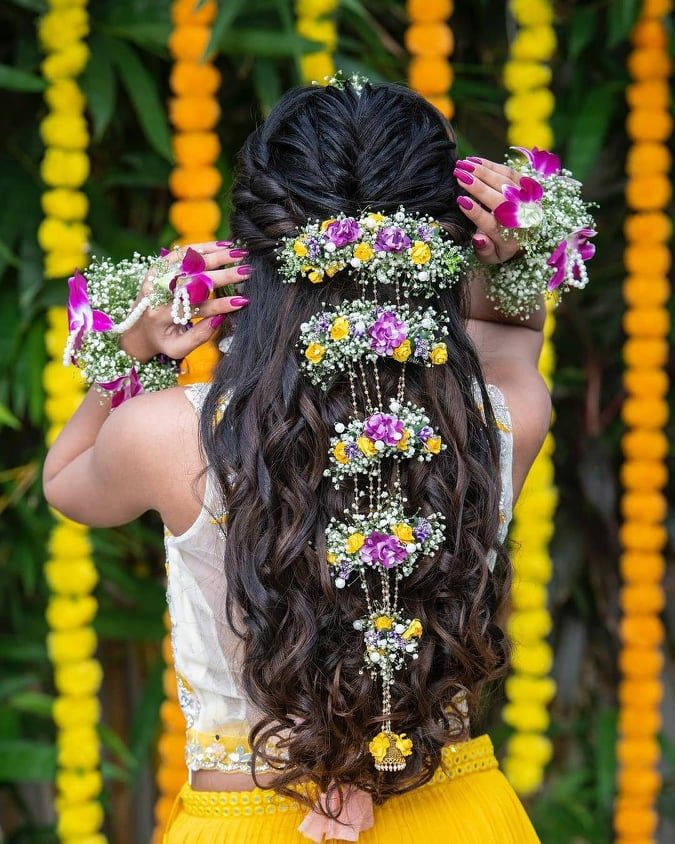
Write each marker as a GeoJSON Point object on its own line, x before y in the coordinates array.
{"type": "Point", "coordinates": [553, 225]}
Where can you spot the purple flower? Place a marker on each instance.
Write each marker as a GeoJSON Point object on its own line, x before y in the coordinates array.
{"type": "Point", "coordinates": [544, 162]}
{"type": "Point", "coordinates": [425, 432]}
{"type": "Point", "coordinates": [387, 332]}
{"type": "Point", "coordinates": [382, 549]}
{"type": "Point", "coordinates": [123, 388]}
{"type": "Point", "coordinates": [163, 252]}
{"type": "Point", "coordinates": [569, 257]}
{"type": "Point", "coordinates": [352, 450]}
{"type": "Point", "coordinates": [313, 248]}
{"type": "Point", "coordinates": [391, 239]}
{"type": "Point", "coordinates": [82, 318]}
{"type": "Point", "coordinates": [192, 277]}
{"type": "Point", "coordinates": [385, 427]}
{"type": "Point", "coordinates": [342, 232]}
{"type": "Point", "coordinates": [422, 348]}
{"type": "Point", "coordinates": [522, 206]}
{"type": "Point", "coordinates": [323, 322]}
{"type": "Point", "coordinates": [425, 232]}
{"type": "Point", "coordinates": [422, 530]}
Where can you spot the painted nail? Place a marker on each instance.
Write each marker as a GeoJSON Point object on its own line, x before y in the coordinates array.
{"type": "Point", "coordinates": [465, 203]}
{"type": "Point", "coordinates": [465, 165]}
{"type": "Point", "coordinates": [245, 269]}
{"type": "Point", "coordinates": [463, 177]}
{"type": "Point", "coordinates": [224, 242]}
{"type": "Point", "coordinates": [239, 301]}
{"type": "Point", "coordinates": [479, 241]}
{"type": "Point", "coordinates": [474, 158]}
{"type": "Point", "coordinates": [238, 253]}
{"type": "Point", "coordinates": [215, 321]}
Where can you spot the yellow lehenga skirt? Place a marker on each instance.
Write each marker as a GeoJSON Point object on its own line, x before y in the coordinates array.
{"type": "Point", "coordinates": [473, 803]}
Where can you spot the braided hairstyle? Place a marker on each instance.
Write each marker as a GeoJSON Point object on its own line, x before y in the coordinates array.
{"type": "Point", "coordinates": [323, 151]}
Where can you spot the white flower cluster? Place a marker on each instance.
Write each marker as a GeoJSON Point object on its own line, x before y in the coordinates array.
{"type": "Point", "coordinates": [390, 639]}
{"type": "Point", "coordinates": [404, 248]}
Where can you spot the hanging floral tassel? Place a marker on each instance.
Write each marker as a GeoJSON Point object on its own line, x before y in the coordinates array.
{"type": "Point", "coordinates": [69, 569]}
{"type": "Point", "coordinates": [530, 689]}
{"type": "Point", "coordinates": [646, 292]}
{"type": "Point", "coordinates": [315, 21]}
{"type": "Point", "coordinates": [429, 40]}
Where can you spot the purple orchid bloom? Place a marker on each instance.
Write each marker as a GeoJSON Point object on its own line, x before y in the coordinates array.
{"type": "Point", "coordinates": [387, 332]}
{"type": "Point", "coordinates": [342, 232]}
{"type": "Point", "coordinates": [192, 277]}
{"type": "Point", "coordinates": [569, 259]}
{"type": "Point", "coordinates": [544, 162]}
{"type": "Point", "coordinates": [123, 388]}
{"type": "Point", "coordinates": [384, 427]}
{"type": "Point", "coordinates": [382, 549]}
{"type": "Point", "coordinates": [391, 239]}
{"type": "Point", "coordinates": [82, 318]}
{"type": "Point", "coordinates": [522, 206]}
{"type": "Point", "coordinates": [163, 251]}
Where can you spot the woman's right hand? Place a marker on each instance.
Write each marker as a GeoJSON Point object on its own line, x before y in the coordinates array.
{"type": "Point", "coordinates": [156, 333]}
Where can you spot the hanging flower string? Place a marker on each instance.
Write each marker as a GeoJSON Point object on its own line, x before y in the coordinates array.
{"type": "Point", "coordinates": [69, 569]}
{"type": "Point", "coordinates": [315, 20]}
{"type": "Point", "coordinates": [529, 688]}
{"type": "Point", "coordinates": [430, 41]}
{"type": "Point", "coordinates": [646, 291]}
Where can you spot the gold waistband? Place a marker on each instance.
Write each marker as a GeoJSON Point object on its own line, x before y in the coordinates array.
{"type": "Point", "coordinates": [467, 757]}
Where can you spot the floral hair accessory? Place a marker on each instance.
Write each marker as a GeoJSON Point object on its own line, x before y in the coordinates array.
{"type": "Point", "coordinates": [552, 223]}
{"type": "Point", "coordinates": [340, 81]}
{"type": "Point", "coordinates": [405, 248]}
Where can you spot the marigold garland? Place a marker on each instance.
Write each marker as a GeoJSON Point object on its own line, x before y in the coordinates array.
{"type": "Point", "coordinates": [315, 21]}
{"type": "Point", "coordinates": [644, 475]}
{"type": "Point", "coordinates": [69, 569]}
{"type": "Point", "coordinates": [529, 689]}
{"type": "Point", "coordinates": [430, 41]}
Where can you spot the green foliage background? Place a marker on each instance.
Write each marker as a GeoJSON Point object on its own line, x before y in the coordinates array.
{"type": "Point", "coordinates": [126, 87]}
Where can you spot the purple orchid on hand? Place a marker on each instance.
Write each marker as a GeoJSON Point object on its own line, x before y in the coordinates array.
{"type": "Point", "coordinates": [82, 318]}
{"type": "Point", "coordinates": [391, 239]}
{"type": "Point", "coordinates": [191, 277]}
{"type": "Point", "coordinates": [522, 207]}
{"type": "Point", "coordinates": [382, 549]}
{"type": "Point", "coordinates": [569, 259]}
{"type": "Point", "coordinates": [544, 162]}
{"type": "Point", "coordinates": [123, 388]}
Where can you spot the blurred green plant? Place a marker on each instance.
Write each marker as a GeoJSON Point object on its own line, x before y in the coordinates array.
{"type": "Point", "coordinates": [258, 50]}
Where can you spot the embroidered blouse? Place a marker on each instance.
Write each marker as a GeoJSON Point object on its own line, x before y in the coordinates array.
{"type": "Point", "coordinates": [207, 653]}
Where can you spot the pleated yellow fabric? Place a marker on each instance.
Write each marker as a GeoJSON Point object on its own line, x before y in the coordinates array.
{"type": "Point", "coordinates": [471, 803]}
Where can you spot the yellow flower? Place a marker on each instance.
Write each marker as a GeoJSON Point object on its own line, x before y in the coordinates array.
{"type": "Point", "coordinates": [80, 822]}
{"type": "Point", "coordinates": [69, 539]}
{"type": "Point", "coordinates": [373, 221]}
{"type": "Point", "coordinates": [64, 169]}
{"type": "Point", "coordinates": [383, 622]}
{"type": "Point", "coordinates": [402, 352]}
{"type": "Point", "coordinates": [414, 629]}
{"type": "Point", "coordinates": [71, 577]}
{"type": "Point", "coordinates": [71, 645]}
{"type": "Point", "coordinates": [322, 31]}
{"type": "Point", "coordinates": [315, 352]}
{"type": "Point", "coordinates": [533, 747]}
{"type": "Point", "coordinates": [404, 744]}
{"type": "Point", "coordinates": [315, 276]}
{"type": "Point", "coordinates": [332, 558]}
{"type": "Point", "coordinates": [65, 204]}
{"type": "Point", "coordinates": [525, 76]}
{"type": "Point", "coordinates": [378, 746]}
{"type": "Point", "coordinates": [334, 267]}
{"type": "Point", "coordinates": [68, 62]}
{"type": "Point", "coordinates": [340, 453]}
{"type": "Point", "coordinates": [327, 223]}
{"type": "Point", "coordinates": [55, 235]}
{"type": "Point", "coordinates": [420, 252]}
{"type": "Point", "coordinates": [65, 95]}
{"type": "Point", "coordinates": [439, 353]}
{"type": "Point", "coordinates": [75, 711]}
{"type": "Point", "coordinates": [67, 613]}
{"type": "Point", "coordinates": [433, 445]}
{"type": "Point", "coordinates": [526, 717]}
{"type": "Point", "coordinates": [403, 442]}
{"type": "Point", "coordinates": [366, 446]}
{"type": "Point", "coordinates": [354, 542]}
{"type": "Point", "coordinates": [339, 329]}
{"type": "Point", "coordinates": [535, 43]}
{"type": "Point", "coordinates": [63, 27]}
{"type": "Point", "coordinates": [317, 65]}
{"type": "Point", "coordinates": [315, 8]}
{"type": "Point", "coordinates": [64, 130]}
{"type": "Point", "coordinates": [76, 787]}
{"type": "Point", "coordinates": [300, 247]}
{"type": "Point", "coordinates": [363, 252]}
{"type": "Point", "coordinates": [403, 532]}
{"type": "Point", "coordinates": [78, 678]}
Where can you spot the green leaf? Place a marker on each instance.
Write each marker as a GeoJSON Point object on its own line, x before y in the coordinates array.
{"type": "Point", "coordinates": [112, 742]}
{"type": "Point", "coordinates": [605, 758]}
{"type": "Point", "coordinates": [100, 86]}
{"type": "Point", "coordinates": [26, 761]}
{"type": "Point", "coordinates": [620, 19]}
{"type": "Point", "coordinates": [590, 126]}
{"type": "Point", "coordinates": [10, 686]}
{"type": "Point", "coordinates": [582, 27]}
{"type": "Point", "coordinates": [8, 418]}
{"type": "Point", "coordinates": [146, 713]}
{"type": "Point", "coordinates": [142, 92]}
{"type": "Point", "coordinates": [227, 14]}
{"type": "Point", "coordinates": [13, 79]}
{"type": "Point", "coordinates": [267, 83]}
{"type": "Point", "coordinates": [260, 42]}
{"type": "Point", "coordinates": [34, 703]}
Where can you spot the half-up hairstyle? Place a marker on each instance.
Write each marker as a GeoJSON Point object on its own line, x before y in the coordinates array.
{"type": "Point", "coordinates": [320, 152]}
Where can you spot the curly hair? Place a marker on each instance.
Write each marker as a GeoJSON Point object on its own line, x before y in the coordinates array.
{"type": "Point", "coordinates": [323, 151]}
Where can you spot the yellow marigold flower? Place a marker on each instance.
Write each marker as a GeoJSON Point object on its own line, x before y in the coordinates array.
{"type": "Point", "coordinates": [354, 542]}
{"type": "Point", "coordinates": [532, 12]}
{"type": "Point", "coordinates": [63, 27]}
{"type": "Point", "coordinates": [526, 717]}
{"type": "Point", "coordinates": [383, 622]}
{"type": "Point", "coordinates": [322, 31]}
{"type": "Point", "coordinates": [433, 445]}
{"type": "Point", "coordinates": [402, 352]}
{"type": "Point", "coordinates": [378, 746]}
{"type": "Point", "coordinates": [403, 442]}
{"type": "Point", "coordinates": [414, 630]}
{"type": "Point", "coordinates": [537, 105]}
{"type": "Point", "coordinates": [420, 252]}
{"type": "Point", "coordinates": [327, 223]}
{"type": "Point", "coordinates": [404, 744]}
{"type": "Point", "coordinates": [340, 453]}
{"type": "Point", "coordinates": [67, 613]}
{"type": "Point", "coordinates": [439, 353]}
{"type": "Point", "coordinates": [522, 76]}
{"type": "Point", "coordinates": [315, 8]}
{"type": "Point", "coordinates": [524, 775]}
{"type": "Point", "coordinates": [71, 577]}
{"type": "Point", "coordinates": [317, 65]}
{"type": "Point", "coordinates": [78, 678]}
{"type": "Point", "coordinates": [74, 711]}
{"type": "Point", "coordinates": [531, 132]}
{"type": "Point", "coordinates": [63, 204]}
{"type": "Point", "coordinates": [363, 252]}
{"type": "Point", "coordinates": [55, 235]}
{"type": "Point", "coordinates": [69, 539]}
{"type": "Point", "coordinates": [315, 352]}
{"type": "Point", "coordinates": [300, 247]}
{"type": "Point", "coordinates": [76, 787]}
{"type": "Point", "coordinates": [71, 645]}
{"type": "Point", "coordinates": [64, 95]}
{"type": "Point", "coordinates": [62, 264]}
{"type": "Point", "coordinates": [535, 43]}
{"type": "Point", "coordinates": [366, 446]}
{"type": "Point", "coordinates": [66, 63]}
{"type": "Point", "coordinates": [403, 532]}
{"type": "Point", "coordinates": [62, 168]}
{"type": "Point", "coordinates": [339, 329]}
{"type": "Point", "coordinates": [79, 821]}
{"type": "Point", "coordinates": [64, 130]}
{"type": "Point", "coordinates": [332, 558]}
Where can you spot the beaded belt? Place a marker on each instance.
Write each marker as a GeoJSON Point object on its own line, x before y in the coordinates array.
{"type": "Point", "coordinates": [467, 757]}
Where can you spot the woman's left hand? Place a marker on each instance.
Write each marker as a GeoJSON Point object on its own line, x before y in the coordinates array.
{"type": "Point", "coordinates": [484, 180]}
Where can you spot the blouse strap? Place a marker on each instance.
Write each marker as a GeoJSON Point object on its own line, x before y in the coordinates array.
{"type": "Point", "coordinates": [196, 395]}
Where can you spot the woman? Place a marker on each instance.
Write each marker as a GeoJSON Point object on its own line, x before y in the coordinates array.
{"type": "Point", "coordinates": [268, 659]}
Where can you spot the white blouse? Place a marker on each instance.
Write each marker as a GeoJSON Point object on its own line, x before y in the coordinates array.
{"type": "Point", "coordinates": [205, 650]}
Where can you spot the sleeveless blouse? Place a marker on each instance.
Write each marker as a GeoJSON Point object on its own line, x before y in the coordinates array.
{"type": "Point", "coordinates": [207, 653]}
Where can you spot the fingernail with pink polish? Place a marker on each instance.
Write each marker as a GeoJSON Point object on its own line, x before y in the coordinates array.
{"type": "Point", "coordinates": [215, 321]}
{"type": "Point", "coordinates": [244, 269]}
{"type": "Point", "coordinates": [479, 241]}
{"type": "Point", "coordinates": [463, 177]}
{"type": "Point", "coordinates": [238, 253]}
{"type": "Point", "coordinates": [224, 243]}
{"type": "Point", "coordinates": [465, 165]}
{"type": "Point", "coordinates": [239, 301]}
{"type": "Point", "coordinates": [465, 203]}
{"type": "Point", "coordinates": [474, 158]}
